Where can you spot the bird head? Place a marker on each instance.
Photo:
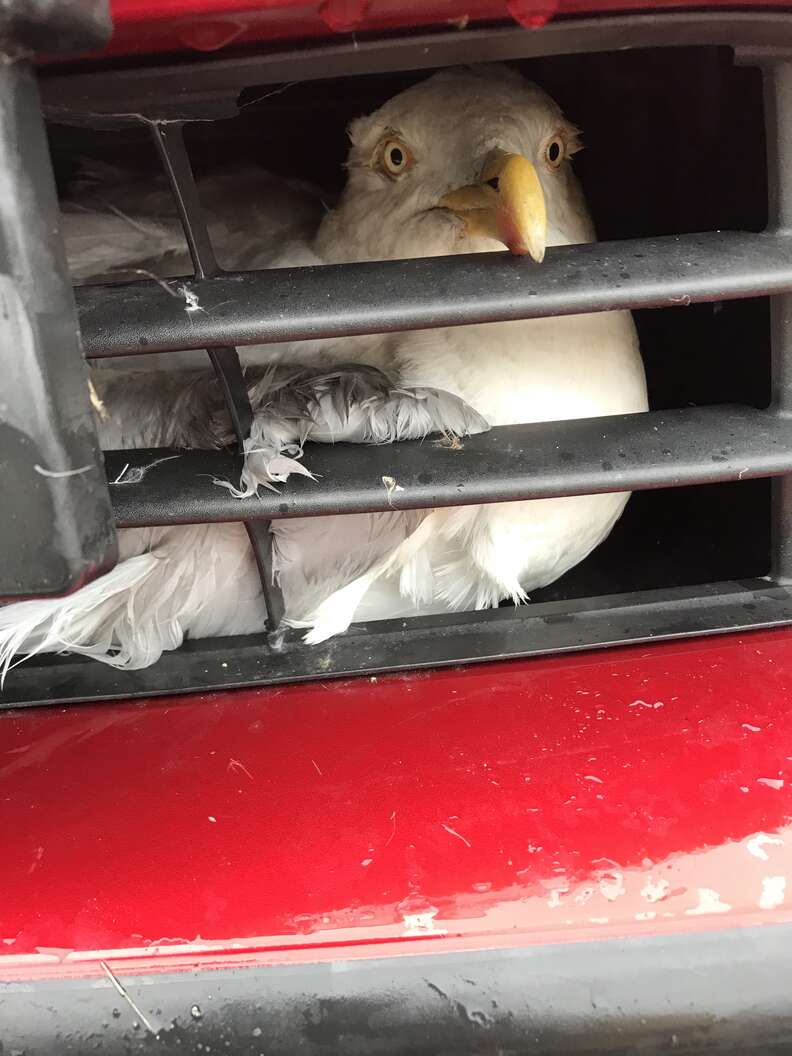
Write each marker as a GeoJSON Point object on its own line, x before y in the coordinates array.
{"type": "Point", "coordinates": [467, 161]}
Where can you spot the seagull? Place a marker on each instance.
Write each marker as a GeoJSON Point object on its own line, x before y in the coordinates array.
{"type": "Point", "coordinates": [467, 161]}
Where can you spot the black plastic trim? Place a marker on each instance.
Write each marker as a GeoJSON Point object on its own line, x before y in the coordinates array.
{"type": "Point", "coordinates": [56, 531]}
{"type": "Point", "coordinates": [343, 299]}
{"type": "Point", "coordinates": [405, 645]}
{"type": "Point", "coordinates": [210, 88]}
{"type": "Point", "coordinates": [589, 455]}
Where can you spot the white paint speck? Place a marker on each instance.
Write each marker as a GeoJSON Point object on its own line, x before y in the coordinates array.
{"type": "Point", "coordinates": [591, 777]}
{"type": "Point", "coordinates": [612, 886]}
{"type": "Point", "coordinates": [744, 788]}
{"type": "Point", "coordinates": [213, 819]}
{"type": "Point", "coordinates": [709, 901]}
{"type": "Point", "coordinates": [753, 729]}
{"type": "Point", "coordinates": [422, 923]}
{"type": "Point", "coordinates": [771, 782]}
{"type": "Point", "coordinates": [366, 861]}
{"type": "Point", "coordinates": [773, 890]}
{"type": "Point", "coordinates": [458, 835]}
{"type": "Point", "coordinates": [756, 845]}
{"type": "Point", "coordinates": [583, 895]}
{"type": "Point", "coordinates": [647, 914]}
{"type": "Point", "coordinates": [655, 890]}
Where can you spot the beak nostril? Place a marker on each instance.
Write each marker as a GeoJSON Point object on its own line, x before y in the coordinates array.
{"type": "Point", "coordinates": [494, 183]}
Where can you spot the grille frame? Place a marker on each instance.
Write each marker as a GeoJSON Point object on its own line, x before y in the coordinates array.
{"type": "Point", "coordinates": [696, 438]}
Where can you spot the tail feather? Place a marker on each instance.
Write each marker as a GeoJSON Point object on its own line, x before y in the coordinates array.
{"type": "Point", "coordinates": [98, 621]}
{"type": "Point", "coordinates": [457, 559]}
{"type": "Point", "coordinates": [335, 613]}
{"type": "Point", "coordinates": [191, 576]}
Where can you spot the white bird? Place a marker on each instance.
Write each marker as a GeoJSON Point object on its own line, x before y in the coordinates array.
{"type": "Point", "coordinates": [466, 161]}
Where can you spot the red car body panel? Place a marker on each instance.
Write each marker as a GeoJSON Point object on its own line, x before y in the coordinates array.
{"type": "Point", "coordinates": [149, 26]}
{"type": "Point", "coordinates": [607, 794]}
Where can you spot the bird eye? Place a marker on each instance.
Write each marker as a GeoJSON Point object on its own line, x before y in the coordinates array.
{"type": "Point", "coordinates": [395, 157]}
{"type": "Point", "coordinates": [554, 152]}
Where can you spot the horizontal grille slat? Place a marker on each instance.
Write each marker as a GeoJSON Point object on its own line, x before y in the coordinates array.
{"type": "Point", "coordinates": [345, 299]}
{"type": "Point", "coordinates": [541, 460]}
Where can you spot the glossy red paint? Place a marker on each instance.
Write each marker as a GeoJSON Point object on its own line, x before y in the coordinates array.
{"type": "Point", "coordinates": [148, 26]}
{"type": "Point", "coordinates": [605, 794]}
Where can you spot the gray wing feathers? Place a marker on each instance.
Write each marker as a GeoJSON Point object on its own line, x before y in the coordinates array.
{"type": "Point", "coordinates": [353, 404]}
{"type": "Point", "coordinates": [101, 242]}
{"type": "Point", "coordinates": [113, 224]}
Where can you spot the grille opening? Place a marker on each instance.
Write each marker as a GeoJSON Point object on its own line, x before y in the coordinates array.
{"type": "Point", "coordinates": [674, 143]}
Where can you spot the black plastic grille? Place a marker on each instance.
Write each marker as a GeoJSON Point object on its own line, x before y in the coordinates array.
{"type": "Point", "coordinates": [660, 449]}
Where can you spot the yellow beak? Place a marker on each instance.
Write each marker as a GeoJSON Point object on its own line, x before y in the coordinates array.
{"type": "Point", "coordinates": [507, 204]}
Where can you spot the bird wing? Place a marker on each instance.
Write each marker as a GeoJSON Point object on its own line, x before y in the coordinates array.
{"type": "Point", "coordinates": [100, 241]}
{"type": "Point", "coordinates": [117, 227]}
{"type": "Point", "coordinates": [114, 224]}
{"type": "Point", "coordinates": [201, 580]}
{"type": "Point", "coordinates": [351, 403]}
